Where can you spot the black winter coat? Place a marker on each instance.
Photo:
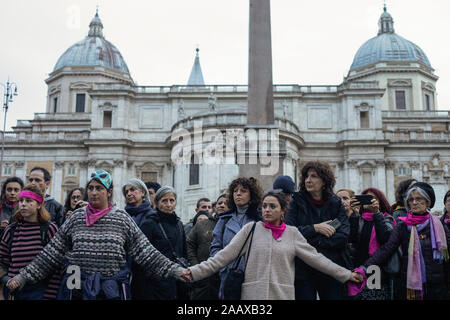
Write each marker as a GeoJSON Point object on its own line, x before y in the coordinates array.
{"type": "Point", "coordinates": [435, 272]}
{"type": "Point", "coordinates": [361, 230]}
{"type": "Point", "coordinates": [55, 209]}
{"type": "Point", "coordinates": [158, 288]}
{"type": "Point", "coordinates": [303, 214]}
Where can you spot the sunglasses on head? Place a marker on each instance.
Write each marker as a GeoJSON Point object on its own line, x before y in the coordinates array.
{"type": "Point", "coordinates": [102, 175]}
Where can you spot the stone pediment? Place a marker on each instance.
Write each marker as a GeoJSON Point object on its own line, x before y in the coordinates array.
{"type": "Point", "coordinates": [81, 85]}
{"type": "Point", "coordinates": [400, 83]}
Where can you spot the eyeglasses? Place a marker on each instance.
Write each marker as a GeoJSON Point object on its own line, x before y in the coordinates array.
{"type": "Point", "coordinates": [418, 199]}
{"type": "Point", "coordinates": [75, 197]}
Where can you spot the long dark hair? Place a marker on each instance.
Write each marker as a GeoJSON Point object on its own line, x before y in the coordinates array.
{"type": "Point", "coordinates": [9, 180]}
{"type": "Point", "coordinates": [400, 193]}
{"type": "Point", "coordinates": [325, 173]}
{"type": "Point", "coordinates": [382, 201]}
{"type": "Point", "coordinates": [67, 206]}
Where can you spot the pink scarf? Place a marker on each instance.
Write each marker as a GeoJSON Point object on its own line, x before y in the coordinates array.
{"type": "Point", "coordinates": [373, 243]}
{"type": "Point", "coordinates": [447, 219]}
{"type": "Point", "coordinates": [355, 288]}
{"type": "Point", "coordinates": [92, 214]}
{"type": "Point", "coordinates": [412, 220]}
{"type": "Point", "coordinates": [277, 231]}
{"type": "Point", "coordinates": [11, 204]}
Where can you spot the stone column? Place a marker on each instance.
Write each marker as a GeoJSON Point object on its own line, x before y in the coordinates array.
{"type": "Point", "coordinates": [260, 86]}
{"type": "Point", "coordinates": [354, 177]}
{"type": "Point", "coordinates": [381, 175]}
{"type": "Point", "coordinates": [91, 168]}
{"type": "Point", "coordinates": [118, 181]}
{"type": "Point", "coordinates": [83, 175]}
{"type": "Point", "coordinates": [56, 191]}
{"type": "Point", "coordinates": [390, 183]}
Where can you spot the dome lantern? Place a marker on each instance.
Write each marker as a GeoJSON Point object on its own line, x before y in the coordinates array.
{"type": "Point", "coordinates": [386, 23]}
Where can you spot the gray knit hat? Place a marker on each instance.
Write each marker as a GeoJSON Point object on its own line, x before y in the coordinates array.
{"type": "Point", "coordinates": [162, 192]}
{"type": "Point", "coordinates": [138, 184]}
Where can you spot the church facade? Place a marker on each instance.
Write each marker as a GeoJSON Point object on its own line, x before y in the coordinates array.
{"type": "Point", "coordinates": [378, 127]}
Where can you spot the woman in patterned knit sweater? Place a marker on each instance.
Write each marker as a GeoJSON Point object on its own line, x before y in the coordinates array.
{"type": "Point", "coordinates": [97, 238]}
{"type": "Point", "coordinates": [23, 240]}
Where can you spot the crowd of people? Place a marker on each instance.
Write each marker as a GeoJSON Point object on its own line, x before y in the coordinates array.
{"type": "Point", "coordinates": [302, 243]}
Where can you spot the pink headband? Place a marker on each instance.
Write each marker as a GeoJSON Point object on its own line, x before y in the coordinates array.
{"type": "Point", "coordinates": [31, 195]}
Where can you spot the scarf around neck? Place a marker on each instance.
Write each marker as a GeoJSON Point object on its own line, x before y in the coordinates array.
{"type": "Point", "coordinates": [93, 215]}
{"type": "Point", "coordinates": [416, 275]}
{"type": "Point", "coordinates": [11, 204]}
{"type": "Point", "coordinates": [277, 231]}
{"type": "Point", "coordinates": [373, 243]}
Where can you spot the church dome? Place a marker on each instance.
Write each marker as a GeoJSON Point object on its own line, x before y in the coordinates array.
{"type": "Point", "coordinates": [94, 50]}
{"type": "Point", "coordinates": [387, 46]}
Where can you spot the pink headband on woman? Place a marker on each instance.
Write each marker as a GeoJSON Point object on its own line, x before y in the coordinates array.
{"type": "Point", "coordinates": [31, 195]}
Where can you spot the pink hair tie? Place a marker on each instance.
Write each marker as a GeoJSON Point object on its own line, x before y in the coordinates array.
{"type": "Point", "coordinates": [31, 195]}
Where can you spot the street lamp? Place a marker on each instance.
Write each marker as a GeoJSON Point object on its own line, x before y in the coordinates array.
{"type": "Point", "coordinates": [10, 90]}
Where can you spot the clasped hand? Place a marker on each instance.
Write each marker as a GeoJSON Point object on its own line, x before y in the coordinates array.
{"type": "Point", "coordinates": [186, 276]}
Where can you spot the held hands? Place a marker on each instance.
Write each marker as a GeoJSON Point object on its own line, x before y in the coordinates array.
{"type": "Point", "coordinates": [325, 229]}
{"type": "Point", "coordinates": [186, 276]}
{"type": "Point", "coordinates": [13, 284]}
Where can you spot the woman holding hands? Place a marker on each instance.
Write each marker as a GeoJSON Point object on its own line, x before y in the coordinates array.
{"type": "Point", "coordinates": [270, 271]}
{"type": "Point", "coordinates": [97, 238]}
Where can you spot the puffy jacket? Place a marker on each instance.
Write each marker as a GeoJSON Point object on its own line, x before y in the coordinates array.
{"type": "Point", "coordinates": [400, 235]}
{"type": "Point", "coordinates": [303, 214]}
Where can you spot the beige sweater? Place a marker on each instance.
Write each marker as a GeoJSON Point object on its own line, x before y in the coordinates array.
{"type": "Point", "coordinates": [270, 270]}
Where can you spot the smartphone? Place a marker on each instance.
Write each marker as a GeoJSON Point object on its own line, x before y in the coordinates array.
{"type": "Point", "coordinates": [364, 199]}
{"type": "Point", "coordinates": [335, 223]}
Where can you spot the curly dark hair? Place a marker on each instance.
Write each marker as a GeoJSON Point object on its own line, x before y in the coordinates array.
{"type": "Point", "coordinates": [400, 193]}
{"type": "Point", "coordinates": [253, 185]}
{"type": "Point", "coordinates": [9, 180]}
{"type": "Point", "coordinates": [325, 173]}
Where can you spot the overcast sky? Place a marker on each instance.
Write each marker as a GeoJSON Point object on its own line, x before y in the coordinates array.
{"type": "Point", "coordinates": [313, 42]}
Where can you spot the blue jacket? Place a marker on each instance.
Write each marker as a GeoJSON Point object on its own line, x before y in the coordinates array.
{"type": "Point", "coordinates": [116, 287]}
{"type": "Point", "coordinates": [227, 227]}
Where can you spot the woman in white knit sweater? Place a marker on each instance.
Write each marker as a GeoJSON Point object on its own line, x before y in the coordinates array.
{"type": "Point", "coordinates": [270, 269]}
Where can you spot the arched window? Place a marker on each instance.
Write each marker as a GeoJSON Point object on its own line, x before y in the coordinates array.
{"type": "Point", "coordinates": [194, 171]}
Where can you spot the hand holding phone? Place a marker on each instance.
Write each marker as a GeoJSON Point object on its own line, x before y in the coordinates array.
{"type": "Point", "coordinates": [364, 199]}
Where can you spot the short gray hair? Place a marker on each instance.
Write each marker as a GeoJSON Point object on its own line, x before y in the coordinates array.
{"type": "Point", "coordinates": [420, 191]}
{"type": "Point", "coordinates": [162, 192]}
{"type": "Point", "coordinates": [137, 184]}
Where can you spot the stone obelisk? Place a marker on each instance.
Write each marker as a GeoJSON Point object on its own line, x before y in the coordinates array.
{"type": "Point", "coordinates": [260, 86]}
{"type": "Point", "coordinates": [260, 116]}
